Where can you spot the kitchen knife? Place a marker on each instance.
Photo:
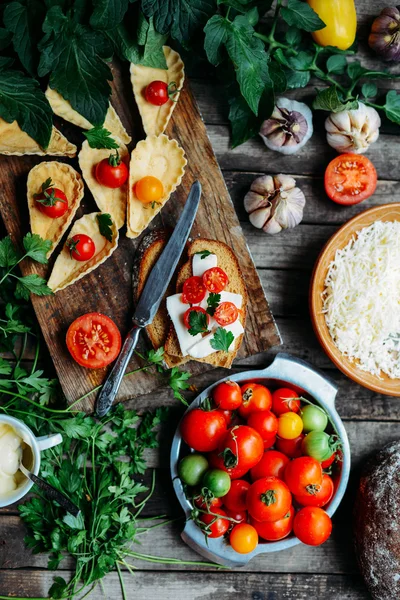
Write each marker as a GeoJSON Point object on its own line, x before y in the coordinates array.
{"type": "Point", "coordinates": [150, 299]}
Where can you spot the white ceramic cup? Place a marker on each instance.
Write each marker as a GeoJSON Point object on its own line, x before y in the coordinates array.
{"type": "Point", "coordinates": [37, 444]}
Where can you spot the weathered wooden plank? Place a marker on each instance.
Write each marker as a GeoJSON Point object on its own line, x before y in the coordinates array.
{"type": "Point", "coordinates": [195, 586]}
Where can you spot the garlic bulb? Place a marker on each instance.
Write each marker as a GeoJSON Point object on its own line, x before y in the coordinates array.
{"type": "Point", "coordinates": [274, 203]}
{"type": "Point", "coordinates": [289, 127]}
{"type": "Point", "coordinates": [353, 130]}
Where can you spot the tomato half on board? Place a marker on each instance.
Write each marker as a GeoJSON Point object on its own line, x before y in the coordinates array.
{"type": "Point", "coordinates": [350, 179]}
{"type": "Point", "coordinates": [93, 340]}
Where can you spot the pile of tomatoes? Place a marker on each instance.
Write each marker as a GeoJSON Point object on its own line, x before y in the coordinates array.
{"type": "Point", "coordinates": [263, 466]}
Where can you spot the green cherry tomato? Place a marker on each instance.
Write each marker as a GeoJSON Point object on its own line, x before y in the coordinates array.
{"type": "Point", "coordinates": [319, 445]}
{"type": "Point", "coordinates": [314, 418]}
{"type": "Point", "coordinates": [217, 481]}
{"type": "Point", "coordinates": [192, 468]}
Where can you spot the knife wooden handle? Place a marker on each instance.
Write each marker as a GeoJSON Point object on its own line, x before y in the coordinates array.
{"type": "Point", "coordinates": [111, 385]}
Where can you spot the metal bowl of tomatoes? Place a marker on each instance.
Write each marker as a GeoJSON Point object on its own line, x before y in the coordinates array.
{"type": "Point", "coordinates": [314, 389]}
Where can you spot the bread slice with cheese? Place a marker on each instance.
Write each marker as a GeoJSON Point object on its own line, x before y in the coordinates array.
{"type": "Point", "coordinates": [148, 253]}
{"type": "Point", "coordinates": [229, 263]}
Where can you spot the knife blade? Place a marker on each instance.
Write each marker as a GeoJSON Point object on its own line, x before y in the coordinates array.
{"type": "Point", "coordinates": [151, 297]}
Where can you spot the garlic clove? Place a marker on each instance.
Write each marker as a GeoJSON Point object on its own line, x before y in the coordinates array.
{"type": "Point", "coordinates": [340, 121]}
{"type": "Point", "coordinates": [341, 143]}
{"type": "Point", "coordinates": [263, 185]}
{"type": "Point", "coordinates": [259, 217]}
{"type": "Point", "coordinates": [284, 182]}
{"type": "Point", "coordinates": [287, 208]}
{"type": "Point", "coordinates": [358, 116]}
{"type": "Point", "coordinates": [272, 227]}
{"type": "Point", "coordinates": [254, 201]}
{"type": "Point", "coordinates": [374, 120]}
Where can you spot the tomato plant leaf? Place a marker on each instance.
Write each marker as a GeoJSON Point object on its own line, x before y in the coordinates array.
{"type": "Point", "coordinates": [217, 31]}
{"type": "Point", "coordinates": [244, 6]}
{"type": "Point", "coordinates": [301, 15]}
{"type": "Point", "coordinates": [329, 100]}
{"type": "Point", "coordinates": [24, 21]}
{"type": "Point", "coordinates": [369, 90]}
{"type": "Point", "coordinates": [244, 123]}
{"type": "Point", "coordinates": [107, 14]}
{"type": "Point", "coordinates": [222, 339]}
{"type": "Point", "coordinates": [105, 226]}
{"type": "Point", "coordinates": [22, 100]}
{"type": "Point", "coordinates": [99, 137]}
{"type": "Point", "coordinates": [182, 18]}
{"type": "Point", "coordinates": [152, 52]}
{"type": "Point", "coordinates": [336, 64]}
{"type": "Point", "coordinates": [392, 106]}
{"type": "Point", "coordinates": [72, 54]}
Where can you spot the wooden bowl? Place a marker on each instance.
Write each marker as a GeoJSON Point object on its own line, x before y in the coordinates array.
{"type": "Point", "coordinates": [387, 212]}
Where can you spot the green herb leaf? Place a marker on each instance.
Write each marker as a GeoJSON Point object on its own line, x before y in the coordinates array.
{"type": "Point", "coordinates": [31, 284]}
{"type": "Point", "coordinates": [392, 106]}
{"type": "Point", "coordinates": [336, 64]}
{"type": "Point", "coordinates": [182, 18]}
{"type": "Point", "coordinates": [99, 137]}
{"type": "Point", "coordinates": [107, 14]}
{"type": "Point", "coordinates": [204, 253]}
{"type": "Point", "coordinates": [105, 226]}
{"type": "Point", "coordinates": [36, 247]}
{"type": "Point", "coordinates": [24, 20]}
{"type": "Point", "coordinates": [212, 302]}
{"type": "Point", "coordinates": [301, 15]}
{"type": "Point", "coordinates": [198, 322]}
{"type": "Point", "coordinates": [222, 339]}
{"type": "Point", "coordinates": [244, 123]}
{"type": "Point", "coordinates": [73, 55]}
{"type": "Point", "coordinates": [22, 100]}
{"type": "Point", "coordinates": [178, 380]}
{"type": "Point", "coordinates": [369, 90]}
{"type": "Point", "coordinates": [329, 100]}
{"type": "Point", "coordinates": [8, 254]}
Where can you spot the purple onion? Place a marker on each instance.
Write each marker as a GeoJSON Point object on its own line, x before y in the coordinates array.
{"type": "Point", "coordinates": [385, 34]}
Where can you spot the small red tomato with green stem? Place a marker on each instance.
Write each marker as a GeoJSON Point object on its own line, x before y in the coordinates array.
{"type": "Point", "coordinates": [112, 172]}
{"type": "Point", "coordinates": [81, 247]}
{"type": "Point", "coordinates": [159, 92]}
{"type": "Point", "coordinates": [51, 201]}
{"type": "Point", "coordinates": [227, 395]}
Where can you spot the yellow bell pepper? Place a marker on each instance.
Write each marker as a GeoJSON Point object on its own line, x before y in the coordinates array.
{"type": "Point", "coordinates": [341, 22]}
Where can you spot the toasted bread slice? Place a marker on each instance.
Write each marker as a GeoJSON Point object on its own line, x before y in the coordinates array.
{"type": "Point", "coordinates": [148, 253]}
{"type": "Point", "coordinates": [229, 263]}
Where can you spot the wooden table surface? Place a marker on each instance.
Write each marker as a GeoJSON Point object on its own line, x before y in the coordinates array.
{"type": "Point", "coordinates": [284, 263]}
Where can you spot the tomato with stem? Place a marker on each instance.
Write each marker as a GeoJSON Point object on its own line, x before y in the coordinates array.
{"type": "Point", "coordinates": [227, 395]}
{"type": "Point", "coordinates": [268, 499]}
{"type": "Point", "coordinates": [112, 172]}
{"type": "Point", "coordinates": [217, 481]}
{"type": "Point", "coordinates": [203, 429]}
{"type": "Point", "coordinates": [319, 497]}
{"type": "Point", "coordinates": [241, 447]}
{"type": "Point", "coordinates": [51, 201]}
{"type": "Point", "coordinates": [272, 531]}
{"type": "Point", "coordinates": [158, 92]}
{"type": "Point", "coordinates": [93, 340]}
{"type": "Point", "coordinates": [285, 400]}
{"type": "Point", "coordinates": [256, 398]}
{"type": "Point", "coordinates": [303, 475]}
{"type": "Point", "coordinates": [213, 524]}
{"type": "Point", "coordinates": [81, 247]}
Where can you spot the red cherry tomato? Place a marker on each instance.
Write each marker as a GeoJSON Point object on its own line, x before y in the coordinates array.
{"type": "Point", "coordinates": [285, 400]}
{"type": "Point", "coordinates": [226, 314]}
{"type": "Point", "coordinates": [239, 515]}
{"type": "Point", "coordinates": [312, 525]}
{"type": "Point", "coordinates": [243, 538]}
{"type": "Point", "coordinates": [216, 461]}
{"type": "Point", "coordinates": [268, 499]}
{"type": "Point", "coordinates": [350, 179]}
{"type": "Point", "coordinates": [256, 398]}
{"type": "Point", "coordinates": [227, 395]}
{"type": "Point", "coordinates": [112, 172]}
{"type": "Point", "coordinates": [208, 504]}
{"type": "Point", "coordinates": [241, 447]}
{"type": "Point", "coordinates": [303, 475]}
{"type": "Point", "coordinates": [81, 247]}
{"type": "Point", "coordinates": [329, 461]}
{"type": "Point", "coordinates": [157, 93]}
{"type": "Point", "coordinates": [272, 464]}
{"type": "Point", "coordinates": [202, 430]}
{"type": "Point", "coordinates": [275, 530]}
{"type": "Point", "coordinates": [215, 280]}
{"type": "Point", "coordinates": [195, 309]}
{"type": "Point", "coordinates": [292, 448]}
{"type": "Point", "coordinates": [193, 290]}
{"type": "Point", "coordinates": [215, 527]}
{"type": "Point", "coordinates": [266, 423]}
{"type": "Point", "coordinates": [235, 499]}
{"type": "Point", "coordinates": [319, 497]}
{"type": "Point", "coordinates": [93, 340]}
{"type": "Point", "coordinates": [52, 202]}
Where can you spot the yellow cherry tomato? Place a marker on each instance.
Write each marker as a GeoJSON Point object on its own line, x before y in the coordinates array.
{"type": "Point", "coordinates": [149, 189]}
{"type": "Point", "coordinates": [290, 426]}
{"type": "Point", "coordinates": [243, 538]}
{"type": "Point", "coordinates": [340, 18]}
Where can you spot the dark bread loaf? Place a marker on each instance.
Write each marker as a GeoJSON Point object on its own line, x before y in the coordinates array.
{"type": "Point", "coordinates": [377, 523]}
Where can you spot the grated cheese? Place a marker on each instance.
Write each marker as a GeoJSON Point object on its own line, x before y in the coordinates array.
{"type": "Point", "coordinates": [362, 299]}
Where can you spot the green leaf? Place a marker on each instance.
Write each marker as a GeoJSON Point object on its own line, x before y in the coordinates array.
{"type": "Point", "coordinates": [204, 254]}
{"type": "Point", "coordinates": [392, 106]}
{"type": "Point", "coordinates": [72, 54]}
{"type": "Point", "coordinates": [244, 6]}
{"type": "Point", "coordinates": [328, 99]}
{"type": "Point", "coordinates": [152, 53]}
{"type": "Point", "coordinates": [107, 14]}
{"type": "Point", "coordinates": [58, 588]}
{"type": "Point", "coordinates": [8, 254]}
{"type": "Point", "coordinates": [369, 90]}
{"type": "Point", "coordinates": [178, 380]}
{"type": "Point", "coordinates": [222, 339]}
{"type": "Point", "coordinates": [31, 284]}
{"type": "Point", "coordinates": [336, 64]}
{"type": "Point", "coordinates": [74, 522]}
{"type": "Point", "coordinates": [182, 18]}
{"type": "Point", "coordinates": [293, 36]}
{"type": "Point", "coordinates": [302, 61]}
{"type": "Point", "coordinates": [77, 427]}
{"type": "Point", "coordinates": [36, 247]}
{"type": "Point", "coordinates": [301, 15]}
{"type": "Point", "coordinates": [296, 79]}
{"type": "Point", "coordinates": [355, 70]}
{"type": "Point", "coordinates": [198, 322]}
{"type": "Point", "coordinates": [278, 77]}
{"type": "Point", "coordinates": [5, 367]}
{"type": "Point", "coordinates": [22, 100]}
{"type": "Point", "coordinates": [99, 137]}
{"type": "Point", "coordinates": [244, 123]}
{"type": "Point", "coordinates": [24, 21]}
{"type": "Point", "coordinates": [217, 31]}
{"type": "Point", "coordinates": [105, 226]}
{"type": "Point", "coordinates": [212, 302]}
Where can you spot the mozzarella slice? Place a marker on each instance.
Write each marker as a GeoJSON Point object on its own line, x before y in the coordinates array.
{"type": "Point", "coordinates": [201, 265]}
{"type": "Point", "coordinates": [176, 309]}
{"type": "Point", "coordinates": [203, 348]}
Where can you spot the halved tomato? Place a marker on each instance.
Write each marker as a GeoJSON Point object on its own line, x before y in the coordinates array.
{"type": "Point", "coordinates": [193, 290]}
{"type": "Point", "coordinates": [215, 280]}
{"type": "Point", "coordinates": [93, 340]}
{"type": "Point", "coordinates": [350, 179]}
{"type": "Point", "coordinates": [226, 314]}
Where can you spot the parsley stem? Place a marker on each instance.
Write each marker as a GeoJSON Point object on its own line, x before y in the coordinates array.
{"type": "Point", "coordinates": [36, 358]}
{"type": "Point", "coordinates": [170, 561]}
{"type": "Point", "coordinates": [141, 530]}
{"type": "Point", "coordinates": [121, 580]}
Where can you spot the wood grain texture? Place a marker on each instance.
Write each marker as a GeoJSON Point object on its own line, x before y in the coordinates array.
{"type": "Point", "coordinates": [109, 288]}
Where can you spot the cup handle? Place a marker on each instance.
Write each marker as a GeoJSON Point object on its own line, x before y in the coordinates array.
{"type": "Point", "coordinates": [48, 441]}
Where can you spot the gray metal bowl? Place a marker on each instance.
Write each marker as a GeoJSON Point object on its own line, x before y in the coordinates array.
{"type": "Point", "coordinates": [285, 369]}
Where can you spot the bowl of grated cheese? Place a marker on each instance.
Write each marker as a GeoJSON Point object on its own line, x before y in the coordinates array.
{"type": "Point", "coordinates": [355, 299]}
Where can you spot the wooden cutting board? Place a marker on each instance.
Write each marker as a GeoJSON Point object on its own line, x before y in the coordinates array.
{"type": "Point", "coordinates": [109, 288]}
